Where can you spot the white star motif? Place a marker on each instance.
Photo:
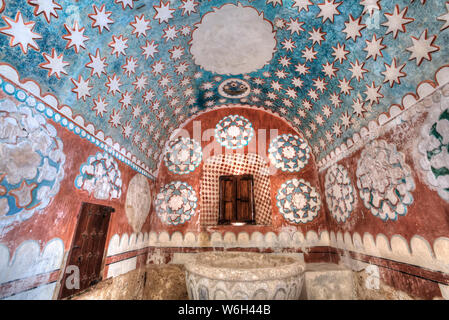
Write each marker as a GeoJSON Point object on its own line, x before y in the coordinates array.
{"type": "Point", "coordinates": [21, 33]}
{"type": "Point", "coordinates": [393, 73]}
{"type": "Point", "coordinates": [115, 118]}
{"type": "Point", "coordinates": [445, 18]}
{"type": "Point", "coordinates": [126, 100]}
{"type": "Point", "coordinates": [118, 45]}
{"type": "Point", "coordinates": [148, 96]}
{"type": "Point", "coordinates": [75, 37]}
{"type": "Point", "coordinates": [181, 68]}
{"type": "Point", "coordinates": [320, 84]}
{"type": "Point", "coordinates": [297, 82]}
{"type": "Point", "coordinates": [345, 86]}
{"type": "Point", "coordinates": [149, 49]}
{"type": "Point", "coordinates": [369, 6]}
{"type": "Point", "coordinates": [357, 70]}
{"type": "Point", "coordinates": [158, 67]}
{"type": "Point", "coordinates": [294, 26]}
{"type": "Point", "coordinates": [140, 26]}
{"type": "Point", "coordinates": [163, 12]}
{"type": "Point", "coordinates": [353, 28]}
{"type": "Point", "coordinates": [101, 18]}
{"type": "Point", "coordinates": [54, 64]}
{"type": "Point", "coordinates": [302, 69]}
{"type": "Point", "coordinates": [274, 3]}
{"type": "Point", "coordinates": [130, 66]}
{"type": "Point", "coordinates": [188, 6]}
{"type": "Point", "coordinates": [97, 64]}
{"type": "Point", "coordinates": [372, 93]}
{"type": "Point", "coordinates": [288, 44]}
{"type": "Point", "coordinates": [140, 82]}
{"type": "Point", "coordinates": [47, 7]}
{"type": "Point", "coordinates": [302, 5]}
{"type": "Point", "coordinates": [374, 47]}
{"type": "Point", "coordinates": [422, 48]}
{"type": "Point", "coordinates": [170, 33]}
{"type": "Point", "coordinates": [329, 69]}
{"type": "Point", "coordinates": [176, 53]}
{"type": "Point", "coordinates": [317, 36]}
{"type": "Point", "coordinates": [126, 3]}
{"type": "Point", "coordinates": [340, 53]}
{"type": "Point", "coordinates": [309, 54]}
{"type": "Point", "coordinates": [100, 106]}
{"type": "Point", "coordinates": [357, 106]}
{"type": "Point", "coordinates": [82, 88]}
{"type": "Point", "coordinates": [396, 21]}
{"type": "Point", "coordinates": [127, 129]}
{"type": "Point", "coordinates": [328, 9]}
{"type": "Point", "coordinates": [113, 84]}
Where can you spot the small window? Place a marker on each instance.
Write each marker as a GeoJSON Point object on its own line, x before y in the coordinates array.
{"type": "Point", "coordinates": [237, 200]}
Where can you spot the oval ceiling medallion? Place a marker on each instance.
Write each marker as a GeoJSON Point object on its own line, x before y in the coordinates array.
{"type": "Point", "coordinates": [246, 44]}
{"type": "Point", "coordinates": [234, 88]}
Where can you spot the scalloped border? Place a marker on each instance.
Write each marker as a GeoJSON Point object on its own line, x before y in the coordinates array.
{"type": "Point", "coordinates": [374, 128]}
{"type": "Point", "coordinates": [51, 107]}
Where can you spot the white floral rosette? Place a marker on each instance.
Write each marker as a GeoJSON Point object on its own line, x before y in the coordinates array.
{"type": "Point", "coordinates": [434, 149]}
{"type": "Point", "coordinates": [234, 132]}
{"type": "Point", "coordinates": [176, 203]}
{"type": "Point", "coordinates": [183, 155]}
{"type": "Point", "coordinates": [31, 162]}
{"type": "Point", "coordinates": [289, 152]}
{"type": "Point", "coordinates": [339, 192]}
{"type": "Point", "coordinates": [384, 180]}
{"type": "Point", "coordinates": [298, 201]}
{"type": "Point", "coordinates": [101, 177]}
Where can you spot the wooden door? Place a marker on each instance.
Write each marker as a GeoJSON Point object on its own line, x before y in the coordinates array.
{"type": "Point", "coordinates": [88, 247]}
{"type": "Point", "coordinates": [236, 199]}
{"type": "Point", "coordinates": [244, 201]}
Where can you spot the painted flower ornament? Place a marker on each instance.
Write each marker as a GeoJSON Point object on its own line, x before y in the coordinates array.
{"type": "Point", "coordinates": [234, 132]}
{"type": "Point", "coordinates": [183, 155]}
{"type": "Point", "coordinates": [384, 180]}
{"type": "Point", "coordinates": [298, 201]}
{"type": "Point", "coordinates": [434, 149]}
{"type": "Point", "coordinates": [176, 203]}
{"type": "Point", "coordinates": [289, 152]}
{"type": "Point", "coordinates": [339, 193]}
{"type": "Point", "coordinates": [31, 161]}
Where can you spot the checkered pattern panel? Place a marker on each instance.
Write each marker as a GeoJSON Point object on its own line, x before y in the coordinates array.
{"type": "Point", "coordinates": [234, 164]}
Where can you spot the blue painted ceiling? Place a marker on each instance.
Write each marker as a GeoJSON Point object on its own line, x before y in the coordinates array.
{"type": "Point", "coordinates": [337, 64]}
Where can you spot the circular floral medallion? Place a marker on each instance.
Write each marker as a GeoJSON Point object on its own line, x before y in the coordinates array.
{"type": "Point", "coordinates": [31, 162]}
{"type": "Point", "coordinates": [183, 155]}
{"type": "Point", "coordinates": [339, 192]}
{"type": "Point", "coordinates": [234, 88]}
{"type": "Point", "coordinates": [434, 147]}
{"type": "Point", "coordinates": [298, 201]}
{"type": "Point", "coordinates": [234, 132]}
{"type": "Point", "coordinates": [289, 153]}
{"type": "Point", "coordinates": [176, 203]}
{"type": "Point", "coordinates": [100, 176]}
{"type": "Point", "coordinates": [384, 180]}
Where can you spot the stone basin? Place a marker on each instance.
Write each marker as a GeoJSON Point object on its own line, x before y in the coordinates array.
{"type": "Point", "coordinates": [244, 276]}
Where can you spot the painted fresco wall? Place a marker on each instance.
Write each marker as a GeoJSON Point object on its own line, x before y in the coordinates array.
{"type": "Point", "coordinates": [190, 226]}
{"type": "Point", "coordinates": [387, 201]}
{"type": "Point", "coordinates": [47, 172]}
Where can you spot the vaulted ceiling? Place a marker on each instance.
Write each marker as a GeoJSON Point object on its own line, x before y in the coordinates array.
{"type": "Point", "coordinates": [137, 69]}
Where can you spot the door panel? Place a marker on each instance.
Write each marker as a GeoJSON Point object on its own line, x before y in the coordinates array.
{"type": "Point", "coordinates": [88, 246]}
